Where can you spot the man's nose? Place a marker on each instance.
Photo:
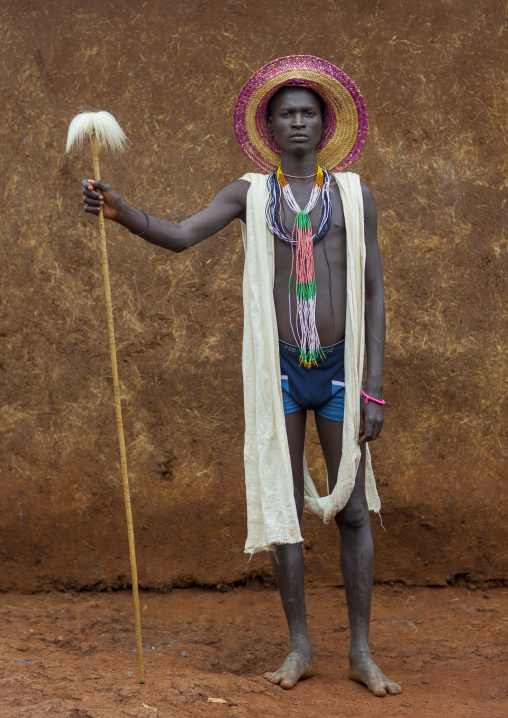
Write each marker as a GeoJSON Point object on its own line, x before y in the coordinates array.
{"type": "Point", "coordinates": [298, 120]}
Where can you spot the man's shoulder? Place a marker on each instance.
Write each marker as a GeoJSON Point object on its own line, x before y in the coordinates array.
{"type": "Point", "coordinates": [369, 204]}
{"type": "Point", "coordinates": [366, 191]}
{"type": "Point", "coordinates": [253, 177]}
{"type": "Point", "coordinates": [349, 179]}
{"type": "Point", "coordinates": [237, 189]}
{"type": "Point", "coordinates": [255, 182]}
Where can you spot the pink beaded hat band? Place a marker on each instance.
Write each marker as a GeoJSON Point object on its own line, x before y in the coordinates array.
{"type": "Point", "coordinates": [345, 119]}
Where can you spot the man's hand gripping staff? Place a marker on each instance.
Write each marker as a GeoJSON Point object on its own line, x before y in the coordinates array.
{"type": "Point", "coordinates": [99, 195]}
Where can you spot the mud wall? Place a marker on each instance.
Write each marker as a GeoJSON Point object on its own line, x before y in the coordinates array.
{"type": "Point", "coordinates": [435, 159]}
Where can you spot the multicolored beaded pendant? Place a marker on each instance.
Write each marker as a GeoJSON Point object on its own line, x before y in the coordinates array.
{"type": "Point", "coordinates": [302, 265]}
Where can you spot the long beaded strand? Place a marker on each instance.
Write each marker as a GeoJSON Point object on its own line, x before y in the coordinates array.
{"type": "Point", "coordinates": [302, 262]}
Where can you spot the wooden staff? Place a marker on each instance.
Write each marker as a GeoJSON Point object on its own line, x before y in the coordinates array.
{"type": "Point", "coordinates": [103, 129]}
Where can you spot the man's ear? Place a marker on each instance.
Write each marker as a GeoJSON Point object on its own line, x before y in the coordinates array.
{"type": "Point", "coordinates": [270, 127]}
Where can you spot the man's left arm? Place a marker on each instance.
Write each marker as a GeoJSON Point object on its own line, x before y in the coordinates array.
{"type": "Point", "coordinates": [371, 414]}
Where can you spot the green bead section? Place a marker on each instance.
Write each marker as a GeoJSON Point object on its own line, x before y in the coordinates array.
{"type": "Point", "coordinates": [306, 290]}
{"type": "Point", "coordinates": [309, 359]}
{"type": "Point", "coordinates": [302, 220]}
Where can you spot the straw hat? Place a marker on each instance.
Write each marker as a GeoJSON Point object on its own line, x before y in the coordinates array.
{"type": "Point", "coordinates": [344, 121]}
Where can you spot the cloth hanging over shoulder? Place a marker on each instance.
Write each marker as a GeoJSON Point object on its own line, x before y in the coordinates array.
{"type": "Point", "coordinates": [271, 509]}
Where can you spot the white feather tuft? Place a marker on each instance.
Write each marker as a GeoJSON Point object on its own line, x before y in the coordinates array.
{"type": "Point", "coordinates": [103, 124]}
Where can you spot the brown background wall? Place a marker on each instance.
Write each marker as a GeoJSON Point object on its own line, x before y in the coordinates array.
{"type": "Point", "coordinates": [170, 72]}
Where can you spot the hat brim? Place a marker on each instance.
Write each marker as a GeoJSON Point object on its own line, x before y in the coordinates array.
{"type": "Point", "coordinates": [345, 120]}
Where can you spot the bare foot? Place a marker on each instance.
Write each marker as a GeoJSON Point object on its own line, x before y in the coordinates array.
{"type": "Point", "coordinates": [364, 670]}
{"type": "Point", "coordinates": [297, 665]}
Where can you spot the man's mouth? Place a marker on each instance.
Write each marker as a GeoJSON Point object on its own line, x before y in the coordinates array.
{"type": "Point", "coordinates": [298, 137]}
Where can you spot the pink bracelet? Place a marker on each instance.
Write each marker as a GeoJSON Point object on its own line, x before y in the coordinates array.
{"type": "Point", "coordinates": [371, 398]}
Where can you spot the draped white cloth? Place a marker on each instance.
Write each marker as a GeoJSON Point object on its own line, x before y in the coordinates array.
{"type": "Point", "coordinates": [271, 510]}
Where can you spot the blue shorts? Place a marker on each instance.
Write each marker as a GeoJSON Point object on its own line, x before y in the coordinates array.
{"type": "Point", "coordinates": [320, 388]}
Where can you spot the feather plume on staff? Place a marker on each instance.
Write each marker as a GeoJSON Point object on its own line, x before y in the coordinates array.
{"type": "Point", "coordinates": [102, 124]}
{"type": "Point", "coordinates": [105, 132]}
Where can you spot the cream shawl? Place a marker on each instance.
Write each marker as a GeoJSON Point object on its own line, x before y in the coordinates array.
{"type": "Point", "coordinates": [271, 510]}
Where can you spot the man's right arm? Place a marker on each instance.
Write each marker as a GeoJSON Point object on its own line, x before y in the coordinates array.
{"type": "Point", "coordinates": [226, 206]}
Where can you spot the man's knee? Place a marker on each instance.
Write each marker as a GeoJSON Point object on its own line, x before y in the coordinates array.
{"type": "Point", "coordinates": [355, 514]}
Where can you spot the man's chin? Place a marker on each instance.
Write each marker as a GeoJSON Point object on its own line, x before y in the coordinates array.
{"type": "Point", "coordinates": [302, 149]}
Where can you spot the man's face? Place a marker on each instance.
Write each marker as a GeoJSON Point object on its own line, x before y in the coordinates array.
{"type": "Point", "coordinates": [295, 122]}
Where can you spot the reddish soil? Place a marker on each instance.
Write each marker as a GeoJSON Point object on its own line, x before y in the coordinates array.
{"type": "Point", "coordinates": [72, 655]}
{"type": "Point", "coordinates": [170, 72]}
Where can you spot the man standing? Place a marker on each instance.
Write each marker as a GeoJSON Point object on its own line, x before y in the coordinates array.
{"type": "Point", "coordinates": [313, 295]}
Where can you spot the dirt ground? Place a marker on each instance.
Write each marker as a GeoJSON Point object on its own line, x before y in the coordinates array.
{"type": "Point", "coordinates": [73, 654]}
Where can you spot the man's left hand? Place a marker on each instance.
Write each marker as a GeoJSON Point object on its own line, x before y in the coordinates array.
{"type": "Point", "coordinates": [371, 421]}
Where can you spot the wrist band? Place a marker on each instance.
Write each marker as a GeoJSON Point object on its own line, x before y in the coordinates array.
{"type": "Point", "coordinates": [371, 398]}
{"type": "Point", "coordinates": [140, 234]}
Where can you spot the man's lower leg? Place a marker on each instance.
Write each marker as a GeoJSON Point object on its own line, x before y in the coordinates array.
{"type": "Point", "coordinates": [357, 566]}
{"type": "Point", "coordinates": [287, 562]}
{"type": "Point", "coordinates": [356, 560]}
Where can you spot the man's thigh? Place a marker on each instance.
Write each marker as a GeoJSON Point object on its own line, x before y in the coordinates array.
{"type": "Point", "coordinates": [330, 438]}
{"type": "Point", "coordinates": [295, 429]}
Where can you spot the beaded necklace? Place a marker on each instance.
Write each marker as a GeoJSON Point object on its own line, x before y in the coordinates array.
{"type": "Point", "coordinates": [301, 241]}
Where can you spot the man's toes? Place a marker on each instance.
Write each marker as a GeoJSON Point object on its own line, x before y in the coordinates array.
{"type": "Point", "coordinates": [287, 683]}
{"type": "Point", "coordinates": [274, 678]}
{"type": "Point", "coordinates": [393, 688]}
{"type": "Point", "coordinates": [378, 689]}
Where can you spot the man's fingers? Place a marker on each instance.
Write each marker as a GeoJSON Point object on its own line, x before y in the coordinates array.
{"type": "Point", "coordinates": [371, 422]}
{"type": "Point", "coordinates": [91, 195]}
{"type": "Point", "coordinates": [368, 433]}
{"type": "Point", "coordinates": [93, 198]}
{"type": "Point", "coordinates": [95, 184]}
{"type": "Point", "coordinates": [93, 202]}
{"type": "Point", "coordinates": [90, 184]}
{"type": "Point", "coordinates": [98, 184]}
